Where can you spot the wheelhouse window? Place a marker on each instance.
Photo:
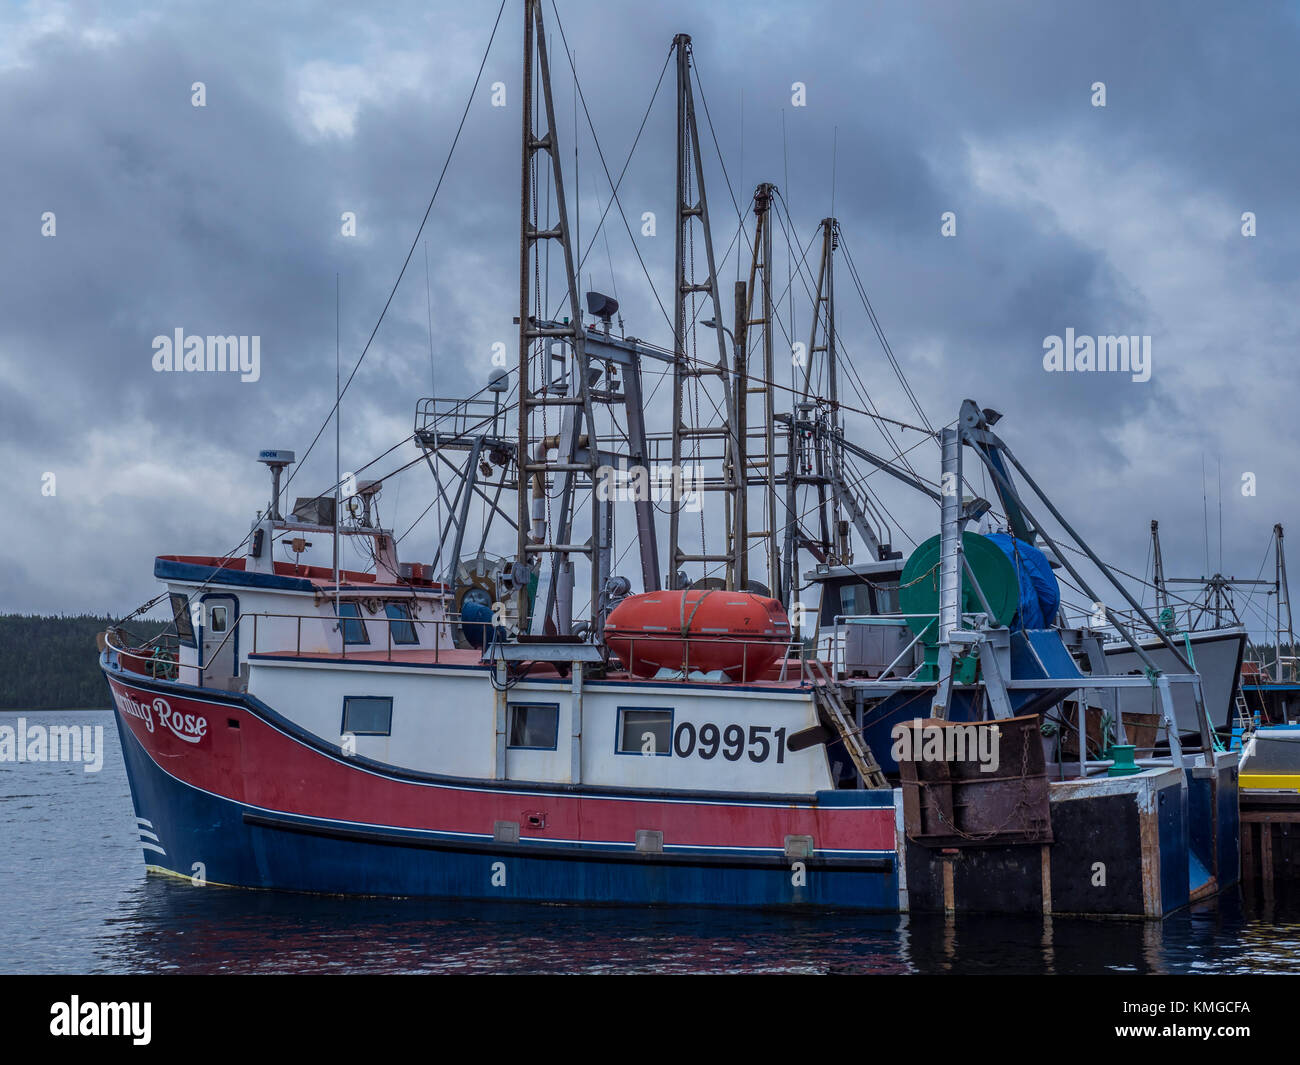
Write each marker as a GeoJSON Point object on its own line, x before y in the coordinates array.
{"type": "Point", "coordinates": [643, 730]}
{"type": "Point", "coordinates": [181, 617]}
{"type": "Point", "coordinates": [354, 629]}
{"type": "Point", "coordinates": [534, 726]}
{"type": "Point", "coordinates": [887, 598]}
{"type": "Point", "coordinates": [400, 626]}
{"type": "Point", "coordinates": [368, 715]}
{"type": "Point", "coordinates": [855, 599]}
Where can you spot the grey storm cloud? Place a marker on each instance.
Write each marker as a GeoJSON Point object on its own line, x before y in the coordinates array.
{"type": "Point", "coordinates": [225, 219]}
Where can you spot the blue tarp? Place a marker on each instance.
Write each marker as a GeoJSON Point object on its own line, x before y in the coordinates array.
{"type": "Point", "coordinates": [476, 623]}
{"type": "Point", "coordinates": [1040, 595]}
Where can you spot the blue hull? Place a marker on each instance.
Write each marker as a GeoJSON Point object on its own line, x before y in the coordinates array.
{"type": "Point", "coordinates": [217, 840]}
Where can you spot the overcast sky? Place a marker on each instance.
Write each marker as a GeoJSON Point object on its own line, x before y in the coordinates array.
{"type": "Point", "coordinates": [226, 219]}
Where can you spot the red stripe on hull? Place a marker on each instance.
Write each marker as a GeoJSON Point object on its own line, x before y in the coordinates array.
{"type": "Point", "coordinates": [257, 764]}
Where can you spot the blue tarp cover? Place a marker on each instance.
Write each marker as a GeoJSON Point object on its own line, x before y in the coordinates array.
{"type": "Point", "coordinates": [1040, 595]}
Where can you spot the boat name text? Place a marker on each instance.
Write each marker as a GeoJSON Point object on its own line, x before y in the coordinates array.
{"type": "Point", "coordinates": [189, 727]}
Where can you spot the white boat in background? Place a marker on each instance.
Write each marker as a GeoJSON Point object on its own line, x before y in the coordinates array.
{"type": "Point", "coordinates": [1216, 655]}
{"type": "Point", "coordinates": [1208, 631]}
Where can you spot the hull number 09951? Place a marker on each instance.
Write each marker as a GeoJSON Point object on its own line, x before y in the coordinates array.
{"type": "Point", "coordinates": [709, 740]}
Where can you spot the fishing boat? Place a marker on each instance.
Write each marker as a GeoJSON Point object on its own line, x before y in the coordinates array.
{"type": "Point", "coordinates": [1270, 679]}
{"type": "Point", "coordinates": [1205, 626]}
{"type": "Point", "coordinates": [512, 720]}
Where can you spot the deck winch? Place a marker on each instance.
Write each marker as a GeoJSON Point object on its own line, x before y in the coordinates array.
{"type": "Point", "coordinates": [1019, 588]}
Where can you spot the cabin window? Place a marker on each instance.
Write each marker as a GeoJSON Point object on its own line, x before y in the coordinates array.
{"type": "Point", "coordinates": [368, 715]}
{"type": "Point", "coordinates": [848, 601]}
{"type": "Point", "coordinates": [181, 617]}
{"type": "Point", "coordinates": [887, 598]}
{"type": "Point", "coordinates": [643, 730]}
{"type": "Point", "coordinates": [534, 726]}
{"type": "Point", "coordinates": [855, 599]}
{"type": "Point", "coordinates": [217, 618]}
{"type": "Point", "coordinates": [354, 629]}
{"type": "Point", "coordinates": [400, 626]}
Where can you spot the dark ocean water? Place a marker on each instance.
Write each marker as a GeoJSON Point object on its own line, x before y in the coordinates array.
{"type": "Point", "coordinates": [74, 898]}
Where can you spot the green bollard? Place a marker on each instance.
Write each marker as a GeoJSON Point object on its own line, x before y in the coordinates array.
{"type": "Point", "coordinates": [1124, 765]}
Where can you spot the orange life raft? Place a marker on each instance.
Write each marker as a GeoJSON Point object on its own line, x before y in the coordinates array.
{"type": "Point", "coordinates": [698, 630]}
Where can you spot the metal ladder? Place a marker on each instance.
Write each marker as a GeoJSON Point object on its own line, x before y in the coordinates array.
{"type": "Point", "coordinates": [827, 695]}
{"type": "Point", "coordinates": [1244, 725]}
{"type": "Point", "coordinates": [1243, 710]}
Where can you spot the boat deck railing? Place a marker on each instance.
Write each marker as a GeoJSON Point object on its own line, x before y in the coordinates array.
{"type": "Point", "coordinates": [1176, 622]}
{"type": "Point", "coordinates": [445, 421]}
{"type": "Point", "coordinates": [892, 665]}
{"type": "Point", "coordinates": [324, 636]}
{"type": "Point", "coordinates": [1272, 670]}
{"type": "Point", "coordinates": [275, 633]}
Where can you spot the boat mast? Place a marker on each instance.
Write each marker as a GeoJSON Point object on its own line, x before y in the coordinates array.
{"type": "Point", "coordinates": [832, 456]}
{"type": "Point", "coordinates": [1158, 573]}
{"type": "Point", "coordinates": [689, 423]}
{"type": "Point", "coordinates": [543, 534]}
{"type": "Point", "coordinates": [759, 466]}
{"type": "Point", "coordinates": [817, 450]}
{"type": "Point", "coordinates": [1283, 605]}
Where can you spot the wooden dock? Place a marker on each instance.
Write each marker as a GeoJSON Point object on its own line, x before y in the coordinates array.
{"type": "Point", "coordinates": [1270, 839]}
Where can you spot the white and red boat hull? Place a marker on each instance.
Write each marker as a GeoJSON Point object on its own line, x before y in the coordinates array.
{"type": "Point", "coordinates": [229, 791]}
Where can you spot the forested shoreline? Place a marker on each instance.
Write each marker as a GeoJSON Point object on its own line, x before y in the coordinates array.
{"type": "Point", "coordinates": [52, 663]}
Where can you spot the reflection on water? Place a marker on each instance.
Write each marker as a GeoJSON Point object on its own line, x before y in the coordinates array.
{"type": "Point", "coordinates": [76, 899]}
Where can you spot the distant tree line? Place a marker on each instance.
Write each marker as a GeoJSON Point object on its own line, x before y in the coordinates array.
{"type": "Point", "coordinates": [1268, 651]}
{"type": "Point", "coordinates": [52, 663]}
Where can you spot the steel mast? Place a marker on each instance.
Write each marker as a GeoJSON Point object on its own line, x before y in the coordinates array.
{"type": "Point", "coordinates": [1283, 604]}
{"type": "Point", "coordinates": [539, 536]}
{"type": "Point", "coordinates": [1158, 572]}
{"type": "Point", "coordinates": [815, 451]}
{"type": "Point", "coordinates": [819, 455]}
{"type": "Point", "coordinates": [688, 424]}
{"type": "Point", "coordinates": [760, 468]}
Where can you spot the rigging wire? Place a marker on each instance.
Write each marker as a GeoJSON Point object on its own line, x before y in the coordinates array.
{"type": "Point", "coordinates": [852, 375]}
{"type": "Point", "coordinates": [609, 255]}
{"type": "Point", "coordinates": [879, 330]}
{"type": "Point", "coordinates": [631, 151]}
{"type": "Point", "coordinates": [414, 244]}
{"type": "Point", "coordinates": [789, 278]}
{"type": "Point", "coordinates": [600, 154]}
{"type": "Point", "coordinates": [741, 215]}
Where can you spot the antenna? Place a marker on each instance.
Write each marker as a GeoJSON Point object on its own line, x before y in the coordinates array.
{"type": "Point", "coordinates": [277, 461]}
{"type": "Point", "coordinates": [428, 299]}
{"type": "Point", "coordinates": [1205, 514]}
{"type": "Point", "coordinates": [577, 182]}
{"type": "Point", "coordinates": [835, 146]}
{"type": "Point", "coordinates": [1219, 491]}
{"type": "Point", "coordinates": [338, 474]}
{"type": "Point", "coordinates": [740, 178]}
